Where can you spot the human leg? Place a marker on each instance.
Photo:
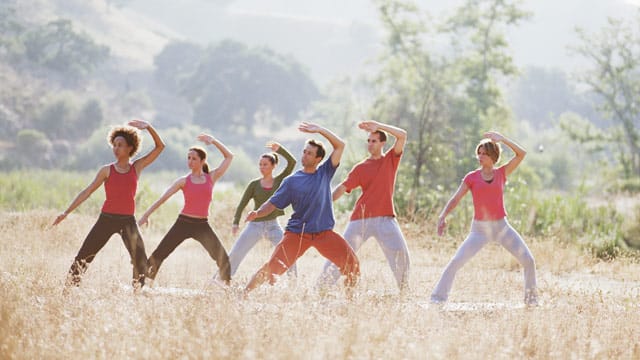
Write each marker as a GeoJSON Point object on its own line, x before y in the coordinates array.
{"type": "Point", "coordinates": [176, 235]}
{"type": "Point", "coordinates": [284, 256]}
{"type": "Point", "coordinates": [209, 239]}
{"type": "Point", "coordinates": [133, 242]}
{"type": "Point", "coordinates": [92, 244]}
{"type": "Point", "coordinates": [513, 242]}
{"type": "Point", "coordinates": [355, 235]}
{"type": "Point", "coordinates": [471, 245]}
{"type": "Point", "coordinates": [245, 242]}
{"type": "Point", "coordinates": [336, 249]}
{"type": "Point", "coordinates": [393, 245]}
{"type": "Point", "coordinates": [272, 231]}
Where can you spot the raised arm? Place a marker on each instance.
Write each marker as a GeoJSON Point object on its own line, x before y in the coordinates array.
{"type": "Point", "coordinates": [148, 158]}
{"type": "Point", "coordinates": [291, 161]}
{"type": "Point", "coordinates": [451, 204]}
{"type": "Point", "coordinates": [177, 185]}
{"type": "Point", "coordinates": [228, 156]}
{"type": "Point", "coordinates": [520, 153]}
{"type": "Point", "coordinates": [100, 178]}
{"type": "Point", "coordinates": [399, 134]}
{"type": "Point", "coordinates": [334, 140]}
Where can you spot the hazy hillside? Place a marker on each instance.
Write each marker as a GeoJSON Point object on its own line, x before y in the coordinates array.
{"type": "Point", "coordinates": [337, 37]}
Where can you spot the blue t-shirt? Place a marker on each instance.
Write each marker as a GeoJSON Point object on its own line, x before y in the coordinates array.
{"type": "Point", "coordinates": [310, 197]}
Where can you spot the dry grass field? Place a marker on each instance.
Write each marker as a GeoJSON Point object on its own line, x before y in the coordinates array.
{"type": "Point", "coordinates": [589, 309]}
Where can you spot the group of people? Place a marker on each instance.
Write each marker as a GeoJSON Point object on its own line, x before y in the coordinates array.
{"type": "Point", "coordinates": [309, 193]}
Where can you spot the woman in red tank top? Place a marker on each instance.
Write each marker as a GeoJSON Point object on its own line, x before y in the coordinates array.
{"type": "Point", "coordinates": [120, 180]}
{"type": "Point", "coordinates": [197, 188]}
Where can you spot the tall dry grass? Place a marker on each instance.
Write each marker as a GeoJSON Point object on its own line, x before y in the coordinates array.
{"type": "Point", "coordinates": [589, 309]}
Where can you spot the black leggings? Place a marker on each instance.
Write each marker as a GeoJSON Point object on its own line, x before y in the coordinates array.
{"type": "Point", "coordinates": [104, 228]}
{"type": "Point", "coordinates": [188, 227]}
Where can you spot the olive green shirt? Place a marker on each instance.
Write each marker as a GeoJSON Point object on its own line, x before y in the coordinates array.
{"type": "Point", "coordinates": [260, 195]}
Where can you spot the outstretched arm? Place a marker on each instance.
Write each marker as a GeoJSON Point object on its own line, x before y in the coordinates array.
{"type": "Point", "coordinates": [338, 192]}
{"type": "Point", "coordinates": [228, 155]}
{"type": "Point", "coordinates": [517, 149]}
{"type": "Point", "coordinates": [398, 133]}
{"type": "Point", "coordinates": [147, 159]}
{"type": "Point", "coordinates": [100, 178]}
{"type": "Point", "coordinates": [336, 142]}
{"type": "Point", "coordinates": [177, 185]}
{"type": "Point", "coordinates": [451, 204]}
{"type": "Point", "coordinates": [264, 210]}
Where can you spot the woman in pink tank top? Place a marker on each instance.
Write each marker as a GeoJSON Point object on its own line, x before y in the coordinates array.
{"type": "Point", "coordinates": [197, 188]}
{"type": "Point", "coordinates": [490, 218]}
{"type": "Point", "coordinates": [120, 180]}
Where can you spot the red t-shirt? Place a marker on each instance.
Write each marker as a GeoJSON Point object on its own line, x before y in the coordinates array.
{"type": "Point", "coordinates": [377, 178]}
{"type": "Point", "coordinates": [197, 197]}
{"type": "Point", "coordinates": [488, 202]}
{"type": "Point", "coordinates": [120, 190]}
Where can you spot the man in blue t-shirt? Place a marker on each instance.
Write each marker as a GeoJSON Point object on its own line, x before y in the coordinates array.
{"type": "Point", "coordinates": [308, 191]}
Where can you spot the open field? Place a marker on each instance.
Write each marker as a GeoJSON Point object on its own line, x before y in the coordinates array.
{"type": "Point", "coordinates": [589, 309]}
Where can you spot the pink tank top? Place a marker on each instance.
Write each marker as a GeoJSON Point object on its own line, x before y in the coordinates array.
{"type": "Point", "coordinates": [120, 190]}
{"type": "Point", "coordinates": [197, 197]}
{"type": "Point", "coordinates": [488, 201]}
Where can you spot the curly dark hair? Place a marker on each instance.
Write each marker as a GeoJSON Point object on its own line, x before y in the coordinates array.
{"type": "Point", "coordinates": [130, 134]}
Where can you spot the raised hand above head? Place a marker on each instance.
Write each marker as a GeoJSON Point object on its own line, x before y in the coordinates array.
{"type": "Point", "coordinates": [139, 124]}
{"type": "Point", "coordinates": [494, 136]}
{"type": "Point", "coordinates": [308, 127]}
{"type": "Point", "coordinates": [369, 126]}
{"type": "Point", "coordinates": [206, 138]}
{"type": "Point", "coordinates": [274, 146]}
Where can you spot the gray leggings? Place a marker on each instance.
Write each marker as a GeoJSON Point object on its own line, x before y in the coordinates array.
{"type": "Point", "coordinates": [481, 233]}
{"type": "Point", "coordinates": [386, 230]}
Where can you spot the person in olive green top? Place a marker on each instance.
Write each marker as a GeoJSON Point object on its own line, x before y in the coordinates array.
{"type": "Point", "coordinates": [260, 190]}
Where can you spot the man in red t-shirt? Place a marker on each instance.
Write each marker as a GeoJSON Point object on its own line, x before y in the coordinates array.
{"type": "Point", "coordinates": [373, 214]}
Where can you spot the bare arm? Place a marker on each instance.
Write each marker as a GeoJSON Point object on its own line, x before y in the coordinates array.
{"type": "Point", "coordinates": [520, 153]}
{"type": "Point", "coordinates": [338, 192]}
{"type": "Point", "coordinates": [147, 159]}
{"type": "Point", "coordinates": [100, 178]}
{"type": "Point", "coordinates": [264, 210]}
{"type": "Point", "coordinates": [177, 185]}
{"type": "Point", "coordinates": [336, 142]}
{"type": "Point", "coordinates": [228, 156]}
{"type": "Point", "coordinates": [451, 204]}
{"type": "Point", "coordinates": [398, 133]}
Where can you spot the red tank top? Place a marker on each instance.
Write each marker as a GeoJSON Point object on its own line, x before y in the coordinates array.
{"type": "Point", "coordinates": [120, 190]}
{"type": "Point", "coordinates": [197, 197]}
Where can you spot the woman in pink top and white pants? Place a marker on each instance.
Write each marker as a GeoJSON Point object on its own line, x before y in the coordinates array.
{"type": "Point", "coordinates": [489, 221]}
{"type": "Point", "coordinates": [197, 188]}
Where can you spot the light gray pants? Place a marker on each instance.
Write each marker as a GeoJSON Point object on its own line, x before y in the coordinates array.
{"type": "Point", "coordinates": [249, 237]}
{"type": "Point", "coordinates": [386, 231]}
{"type": "Point", "coordinates": [481, 233]}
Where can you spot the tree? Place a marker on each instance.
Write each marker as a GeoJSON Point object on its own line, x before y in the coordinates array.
{"type": "Point", "coordinates": [234, 83]}
{"type": "Point", "coordinates": [58, 47]}
{"type": "Point", "coordinates": [32, 148]}
{"type": "Point", "coordinates": [177, 60]}
{"type": "Point", "coordinates": [614, 75]}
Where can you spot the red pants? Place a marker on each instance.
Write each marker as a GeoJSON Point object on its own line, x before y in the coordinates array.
{"type": "Point", "coordinates": [328, 243]}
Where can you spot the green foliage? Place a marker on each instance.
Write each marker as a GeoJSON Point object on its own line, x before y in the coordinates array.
{"type": "Point", "coordinates": [236, 88]}
{"type": "Point", "coordinates": [32, 148]}
{"type": "Point", "coordinates": [58, 47]}
{"type": "Point", "coordinates": [614, 74]}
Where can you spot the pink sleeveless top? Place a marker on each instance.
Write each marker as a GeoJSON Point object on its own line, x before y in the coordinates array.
{"type": "Point", "coordinates": [120, 190]}
{"type": "Point", "coordinates": [197, 197]}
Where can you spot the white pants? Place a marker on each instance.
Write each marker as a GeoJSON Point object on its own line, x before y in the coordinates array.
{"type": "Point", "coordinates": [386, 231]}
{"type": "Point", "coordinates": [481, 233]}
{"type": "Point", "coordinates": [249, 237]}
